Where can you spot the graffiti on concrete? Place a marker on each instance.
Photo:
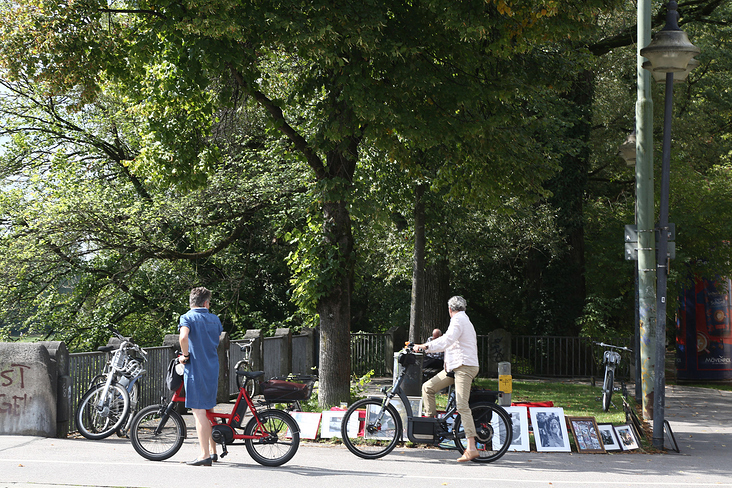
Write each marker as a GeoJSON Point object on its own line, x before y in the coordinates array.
{"type": "Point", "coordinates": [12, 377]}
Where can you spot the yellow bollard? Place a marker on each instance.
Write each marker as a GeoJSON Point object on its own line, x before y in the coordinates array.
{"type": "Point", "coordinates": [505, 384]}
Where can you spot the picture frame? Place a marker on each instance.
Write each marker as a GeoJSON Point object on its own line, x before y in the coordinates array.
{"type": "Point", "coordinates": [550, 429]}
{"type": "Point", "coordinates": [586, 435]}
{"type": "Point", "coordinates": [520, 421]}
{"type": "Point", "coordinates": [609, 437]}
{"type": "Point", "coordinates": [372, 411]}
{"type": "Point", "coordinates": [330, 424]}
{"type": "Point", "coordinates": [626, 437]}
{"type": "Point", "coordinates": [415, 403]}
{"type": "Point", "coordinates": [309, 422]}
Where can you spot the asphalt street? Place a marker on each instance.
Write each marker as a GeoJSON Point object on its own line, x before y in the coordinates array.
{"type": "Point", "coordinates": [701, 420]}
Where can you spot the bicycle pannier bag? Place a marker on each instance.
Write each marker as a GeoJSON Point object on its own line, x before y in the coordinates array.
{"type": "Point", "coordinates": [478, 395]}
{"type": "Point", "coordinates": [173, 380]}
{"type": "Point", "coordinates": [281, 391]}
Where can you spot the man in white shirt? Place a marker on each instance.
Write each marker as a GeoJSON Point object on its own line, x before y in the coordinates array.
{"type": "Point", "coordinates": [460, 345]}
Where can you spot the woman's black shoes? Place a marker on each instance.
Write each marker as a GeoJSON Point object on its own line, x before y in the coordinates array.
{"type": "Point", "coordinates": [214, 457]}
{"type": "Point", "coordinates": [200, 462]}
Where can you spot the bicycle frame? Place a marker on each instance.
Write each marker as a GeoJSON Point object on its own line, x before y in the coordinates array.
{"type": "Point", "coordinates": [115, 368]}
{"type": "Point", "coordinates": [224, 420]}
{"type": "Point", "coordinates": [431, 428]}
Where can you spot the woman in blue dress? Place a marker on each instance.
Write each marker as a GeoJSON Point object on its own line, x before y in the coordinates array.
{"type": "Point", "coordinates": [199, 341]}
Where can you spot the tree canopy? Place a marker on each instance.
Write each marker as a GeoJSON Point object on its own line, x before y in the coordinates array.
{"type": "Point", "coordinates": [160, 145]}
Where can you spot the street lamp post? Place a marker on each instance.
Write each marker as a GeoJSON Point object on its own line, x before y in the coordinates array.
{"type": "Point", "coordinates": [627, 150]}
{"type": "Point", "coordinates": [669, 52]}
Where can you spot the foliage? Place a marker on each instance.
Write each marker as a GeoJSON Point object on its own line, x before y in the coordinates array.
{"type": "Point", "coordinates": [87, 243]}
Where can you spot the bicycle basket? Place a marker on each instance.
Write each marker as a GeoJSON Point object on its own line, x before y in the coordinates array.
{"type": "Point", "coordinates": [281, 391]}
{"type": "Point", "coordinates": [133, 368]}
{"type": "Point", "coordinates": [407, 359]}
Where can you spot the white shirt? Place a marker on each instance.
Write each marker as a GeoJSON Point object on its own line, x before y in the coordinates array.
{"type": "Point", "coordinates": [460, 343]}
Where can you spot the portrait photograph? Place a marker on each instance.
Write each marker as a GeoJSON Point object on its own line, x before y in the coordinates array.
{"type": "Point", "coordinates": [626, 437]}
{"type": "Point", "coordinates": [550, 429]}
{"type": "Point", "coordinates": [609, 438]}
{"type": "Point", "coordinates": [520, 422]}
{"type": "Point", "coordinates": [586, 435]}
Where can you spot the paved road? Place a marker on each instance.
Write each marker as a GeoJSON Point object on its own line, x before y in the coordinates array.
{"type": "Point", "coordinates": [701, 419]}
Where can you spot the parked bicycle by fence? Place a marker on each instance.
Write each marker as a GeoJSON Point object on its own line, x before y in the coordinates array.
{"type": "Point", "coordinates": [372, 427]}
{"type": "Point", "coordinates": [271, 436]}
{"type": "Point", "coordinates": [112, 398]}
{"type": "Point", "coordinates": [611, 360]}
{"type": "Point", "coordinates": [245, 364]}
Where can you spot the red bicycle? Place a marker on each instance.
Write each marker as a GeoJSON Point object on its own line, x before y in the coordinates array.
{"type": "Point", "coordinates": [271, 436]}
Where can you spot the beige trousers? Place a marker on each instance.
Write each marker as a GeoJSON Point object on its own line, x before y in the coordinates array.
{"type": "Point", "coordinates": [463, 379]}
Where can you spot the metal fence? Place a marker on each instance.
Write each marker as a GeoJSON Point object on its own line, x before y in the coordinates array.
{"type": "Point", "coordinates": [84, 366]}
{"type": "Point", "coordinates": [566, 357]}
{"type": "Point", "coordinates": [371, 352]}
{"type": "Point", "coordinates": [530, 356]}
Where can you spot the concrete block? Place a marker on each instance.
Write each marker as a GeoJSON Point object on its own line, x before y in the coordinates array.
{"type": "Point", "coordinates": [27, 400]}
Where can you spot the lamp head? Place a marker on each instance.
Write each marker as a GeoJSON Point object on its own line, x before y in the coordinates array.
{"type": "Point", "coordinates": [670, 49]}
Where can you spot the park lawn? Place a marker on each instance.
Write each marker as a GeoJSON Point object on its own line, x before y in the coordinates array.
{"type": "Point", "coordinates": [577, 399]}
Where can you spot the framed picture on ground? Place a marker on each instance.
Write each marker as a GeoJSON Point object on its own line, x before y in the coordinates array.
{"type": "Point", "coordinates": [586, 435]}
{"type": "Point", "coordinates": [520, 421]}
{"type": "Point", "coordinates": [416, 405]}
{"type": "Point", "coordinates": [550, 429]}
{"type": "Point", "coordinates": [626, 437]}
{"type": "Point", "coordinates": [609, 438]}
{"type": "Point", "coordinates": [330, 426]}
{"type": "Point", "coordinates": [308, 423]}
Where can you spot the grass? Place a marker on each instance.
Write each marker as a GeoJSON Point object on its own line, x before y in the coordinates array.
{"type": "Point", "coordinates": [577, 400]}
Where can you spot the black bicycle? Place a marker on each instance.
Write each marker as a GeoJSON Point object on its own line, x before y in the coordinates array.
{"type": "Point", "coordinates": [372, 427]}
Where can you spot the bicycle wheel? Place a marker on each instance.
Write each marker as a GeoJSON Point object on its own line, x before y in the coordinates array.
{"type": "Point", "coordinates": [607, 390]}
{"type": "Point", "coordinates": [98, 416]}
{"type": "Point", "coordinates": [669, 441]}
{"type": "Point", "coordinates": [123, 430]}
{"type": "Point", "coordinates": [155, 435]}
{"type": "Point", "coordinates": [380, 432]}
{"type": "Point", "coordinates": [280, 440]}
{"type": "Point", "coordinates": [251, 385]}
{"type": "Point", "coordinates": [493, 428]}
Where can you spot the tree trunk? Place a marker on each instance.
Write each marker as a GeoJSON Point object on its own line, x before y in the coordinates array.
{"type": "Point", "coordinates": [334, 308]}
{"type": "Point", "coordinates": [436, 295]}
{"type": "Point", "coordinates": [417, 306]}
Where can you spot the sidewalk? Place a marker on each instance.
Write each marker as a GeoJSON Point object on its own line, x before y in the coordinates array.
{"type": "Point", "coordinates": [701, 420]}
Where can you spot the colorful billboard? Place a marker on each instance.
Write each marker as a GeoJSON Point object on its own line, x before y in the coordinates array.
{"type": "Point", "coordinates": [704, 332]}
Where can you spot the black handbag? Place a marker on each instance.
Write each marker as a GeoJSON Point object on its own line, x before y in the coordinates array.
{"type": "Point", "coordinates": [173, 380]}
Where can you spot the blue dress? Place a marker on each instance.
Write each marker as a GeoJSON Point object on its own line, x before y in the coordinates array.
{"type": "Point", "coordinates": [201, 376]}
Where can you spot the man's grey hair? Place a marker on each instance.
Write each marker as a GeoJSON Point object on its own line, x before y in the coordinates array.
{"type": "Point", "coordinates": [199, 296]}
{"type": "Point", "coordinates": [457, 304]}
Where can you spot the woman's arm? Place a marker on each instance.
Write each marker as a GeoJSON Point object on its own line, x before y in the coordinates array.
{"type": "Point", "coordinates": [183, 339]}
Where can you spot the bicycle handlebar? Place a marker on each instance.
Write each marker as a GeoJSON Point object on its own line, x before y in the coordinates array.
{"type": "Point", "coordinates": [622, 348]}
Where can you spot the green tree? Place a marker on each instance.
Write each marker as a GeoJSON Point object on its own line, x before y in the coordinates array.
{"type": "Point", "coordinates": [87, 243]}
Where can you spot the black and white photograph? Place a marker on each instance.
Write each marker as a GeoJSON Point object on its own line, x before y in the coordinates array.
{"type": "Point", "coordinates": [330, 425]}
{"type": "Point", "coordinates": [520, 422]}
{"type": "Point", "coordinates": [609, 438]}
{"type": "Point", "coordinates": [550, 429]}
